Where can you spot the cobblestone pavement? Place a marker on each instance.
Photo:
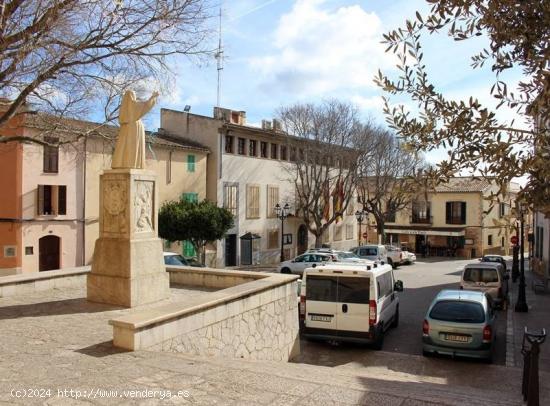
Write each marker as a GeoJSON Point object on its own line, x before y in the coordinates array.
{"type": "Point", "coordinates": [55, 342]}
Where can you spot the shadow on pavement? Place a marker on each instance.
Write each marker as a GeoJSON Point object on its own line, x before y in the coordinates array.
{"type": "Point", "coordinates": [100, 350]}
{"type": "Point", "coordinates": [53, 308]}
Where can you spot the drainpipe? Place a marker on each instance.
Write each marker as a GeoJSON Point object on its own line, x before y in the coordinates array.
{"type": "Point", "coordinates": [84, 203]}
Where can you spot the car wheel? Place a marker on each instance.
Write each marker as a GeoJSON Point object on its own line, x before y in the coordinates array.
{"type": "Point", "coordinates": [379, 341]}
{"type": "Point", "coordinates": [395, 321]}
{"type": "Point", "coordinates": [426, 353]}
{"type": "Point", "coordinates": [285, 270]}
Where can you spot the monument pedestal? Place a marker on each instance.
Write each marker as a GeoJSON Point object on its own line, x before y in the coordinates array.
{"type": "Point", "coordinates": [128, 266]}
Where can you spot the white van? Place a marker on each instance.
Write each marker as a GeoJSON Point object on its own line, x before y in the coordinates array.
{"type": "Point", "coordinates": [349, 302]}
{"type": "Point", "coordinates": [371, 252]}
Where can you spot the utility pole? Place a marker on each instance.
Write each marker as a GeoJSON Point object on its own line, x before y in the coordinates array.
{"type": "Point", "coordinates": [219, 58]}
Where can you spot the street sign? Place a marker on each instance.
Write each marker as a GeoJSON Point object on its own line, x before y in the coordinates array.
{"type": "Point", "coordinates": [514, 239]}
{"type": "Point", "coordinates": [365, 235]}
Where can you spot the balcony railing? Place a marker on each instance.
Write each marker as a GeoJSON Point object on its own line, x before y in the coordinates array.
{"type": "Point", "coordinates": [416, 219]}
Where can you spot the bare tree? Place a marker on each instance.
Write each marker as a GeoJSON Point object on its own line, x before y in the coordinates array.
{"type": "Point", "coordinates": [74, 57]}
{"type": "Point", "coordinates": [324, 162]}
{"type": "Point", "coordinates": [388, 178]}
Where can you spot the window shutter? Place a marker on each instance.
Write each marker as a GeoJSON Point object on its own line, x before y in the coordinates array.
{"type": "Point", "coordinates": [40, 202]}
{"type": "Point", "coordinates": [190, 163]}
{"type": "Point", "coordinates": [62, 200]}
{"type": "Point", "coordinates": [463, 212]}
{"type": "Point", "coordinates": [448, 212]}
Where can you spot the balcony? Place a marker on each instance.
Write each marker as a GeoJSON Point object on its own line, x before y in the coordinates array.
{"type": "Point", "coordinates": [417, 219]}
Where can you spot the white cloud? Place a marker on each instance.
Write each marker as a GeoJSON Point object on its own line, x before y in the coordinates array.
{"type": "Point", "coordinates": [318, 50]}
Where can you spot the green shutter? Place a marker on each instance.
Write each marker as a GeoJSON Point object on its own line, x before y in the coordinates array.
{"type": "Point", "coordinates": [188, 249]}
{"type": "Point", "coordinates": [190, 197]}
{"type": "Point", "coordinates": [190, 163]}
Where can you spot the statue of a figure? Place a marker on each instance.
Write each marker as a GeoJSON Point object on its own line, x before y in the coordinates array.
{"type": "Point", "coordinates": [130, 144]}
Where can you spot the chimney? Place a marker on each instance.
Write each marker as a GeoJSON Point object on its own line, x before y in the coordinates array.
{"type": "Point", "coordinates": [266, 125]}
{"type": "Point", "coordinates": [277, 125]}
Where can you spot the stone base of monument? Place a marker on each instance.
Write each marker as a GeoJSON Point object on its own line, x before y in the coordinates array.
{"type": "Point", "coordinates": [128, 266]}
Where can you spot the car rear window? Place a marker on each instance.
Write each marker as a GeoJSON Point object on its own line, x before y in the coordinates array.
{"type": "Point", "coordinates": [458, 311]}
{"type": "Point", "coordinates": [174, 260]}
{"type": "Point", "coordinates": [480, 275]}
{"type": "Point", "coordinates": [369, 251]}
{"type": "Point", "coordinates": [353, 290]}
{"type": "Point", "coordinates": [322, 289]}
{"type": "Point", "coordinates": [337, 289]}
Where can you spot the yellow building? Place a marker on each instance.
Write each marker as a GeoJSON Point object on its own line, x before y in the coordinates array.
{"type": "Point", "coordinates": [460, 218]}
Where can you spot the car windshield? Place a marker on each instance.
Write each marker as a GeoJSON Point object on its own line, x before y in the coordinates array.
{"type": "Point", "coordinates": [369, 251]}
{"type": "Point", "coordinates": [174, 260]}
{"type": "Point", "coordinates": [480, 275]}
{"type": "Point", "coordinates": [347, 255]}
{"type": "Point", "coordinates": [458, 311]}
{"type": "Point", "coordinates": [491, 259]}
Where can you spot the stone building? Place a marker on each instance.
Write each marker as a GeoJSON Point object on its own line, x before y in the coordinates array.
{"type": "Point", "coordinates": [247, 172]}
{"type": "Point", "coordinates": [458, 218]}
{"type": "Point", "coordinates": [50, 195]}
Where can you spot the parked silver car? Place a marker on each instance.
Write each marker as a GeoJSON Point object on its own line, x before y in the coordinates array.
{"type": "Point", "coordinates": [460, 322]}
{"type": "Point", "coordinates": [488, 277]}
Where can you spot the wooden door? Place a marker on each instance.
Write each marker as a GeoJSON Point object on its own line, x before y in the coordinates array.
{"type": "Point", "coordinates": [49, 248]}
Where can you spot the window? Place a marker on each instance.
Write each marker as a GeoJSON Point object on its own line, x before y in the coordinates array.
{"type": "Point", "coordinates": [421, 212]}
{"type": "Point", "coordinates": [292, 154]}
{"type": "Point", "coordinates": [385, 285]}
{"type": "Point", "coordinates": [351, 290]}
{"type": "Point", "coordinates": [455, 212]}
{"type": "Point", "coordinates": [263, 149]}
{"type": "Point", "coordinates": [284, 155]}
{"type": "Point", "coordinates": [502, 209]}
{"type": "Point", "coordinates": [274, 151]}
{"type": "Point", "coordinates": [252, 148]}
{"type": "Point", "coordinates": [272, 200]}
{"type": "Point", "coordinates": [252, 201]}
{"type": "Point", "coordinates": [273, 239]}
{"type": "Point", "coordinates": [338, 233]}
{"type": "Point", "coordinates": [29, 250]}
{"type": "Point", "coordinates": [190, 197]}
{"type": "Point", "coordinates": [350, 209]}
{"type": "Point", "coordinates": [349, 231]}
{"type": "Point", "coordinates": [230, 198]}
{"type": "Point", "coordinates": [241, 146]}
{"type": "Point", "coordinates": [390, 212]}
{"type": "Point", "coordinates": [321, 289]}
{"type": "Point", "coordinates": [228, 144]}
{"type": "Point", "coordinates": [502, 241]}
{"type": "Point", "coordinates": [190, 163]}
{"type": "Point", "coordinates": [490, 239]}
{"type": "Point", "coordinates": [458, 311]}
{"type": "Point", "coordinates": [52, 200]}
{"type": "Point", "coordinates": [10, 251]}
{"type": "Point", "coordinates": [51, 155]}
{"type": "Point", "coordinates": [169, 168]}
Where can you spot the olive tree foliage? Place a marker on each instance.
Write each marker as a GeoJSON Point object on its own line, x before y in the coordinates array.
{"type": "Point", "coordinates": [323, 160]}
{"type": "Point", "coordinates": [77, 57]}
{"type": "Point", "coordinates": [197, 222]}
{"type": "Point", "coordinates": [475, 139]}
{"type": "Point", "coordinates": [390, 177]}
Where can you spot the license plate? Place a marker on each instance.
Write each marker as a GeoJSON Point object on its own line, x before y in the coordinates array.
{"type": "Point", "coordinates": [456, 337]}
{"type": "Point", "coordinates": [318, 317]}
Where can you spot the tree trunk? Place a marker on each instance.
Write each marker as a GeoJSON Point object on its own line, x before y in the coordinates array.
{"type": "Point", "coordinates": [318, 240]}
{"type": "Point", "coordinates": [380, 230]}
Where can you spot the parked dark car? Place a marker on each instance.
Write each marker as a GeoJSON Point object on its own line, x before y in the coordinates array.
{"type": "Point", "coordinates": [495, 258]}
{"type": "Point", "coordinates": [171, 258]}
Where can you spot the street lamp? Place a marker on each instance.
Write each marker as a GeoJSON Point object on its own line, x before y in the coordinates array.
{"type": "Point", "coordinates": [521, 304]}
{"type": "Point", "coordinates": [515, 253]}
{"type": "Point", "coordinates": [282, 214]}
{"type": "Point", "coordinates": [360, 215]}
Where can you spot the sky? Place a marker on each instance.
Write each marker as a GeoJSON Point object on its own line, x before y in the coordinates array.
{"type": "Point", "coordinates": [281, 52]}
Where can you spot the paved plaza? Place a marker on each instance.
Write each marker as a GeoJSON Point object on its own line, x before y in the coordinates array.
{"type": "Point", "coordinates": [55, 341]}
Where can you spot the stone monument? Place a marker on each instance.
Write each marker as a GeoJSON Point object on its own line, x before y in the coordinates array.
{"type": "Point", "coordinates": [128, 266]}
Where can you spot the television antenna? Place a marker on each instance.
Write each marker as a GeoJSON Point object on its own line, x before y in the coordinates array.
{"type": "Point", "coordinates": [219, 58]}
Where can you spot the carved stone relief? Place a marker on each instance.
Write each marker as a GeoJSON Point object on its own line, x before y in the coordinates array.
{"type": "Point", "coordinates": [115, 198]}
{"type": "Point", "coordinates": [143, 206]}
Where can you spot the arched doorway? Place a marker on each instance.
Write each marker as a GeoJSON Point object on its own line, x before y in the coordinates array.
{"type": "Point", "coordinates": [48, 249]}
{"type": "Point", "coordinates": [302, 239]}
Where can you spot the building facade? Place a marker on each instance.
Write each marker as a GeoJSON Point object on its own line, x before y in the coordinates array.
{"type": "Point", "coordinates": [249, 171]}
{"type": "Point", "coordinates": [50, 219]}
{"type": "Point", "coordinates": [459, 218]}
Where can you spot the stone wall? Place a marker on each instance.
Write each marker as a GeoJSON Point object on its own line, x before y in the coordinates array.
{"type": "Point", "coordinates": [19, 284]}
{"type": "Point", "coordinates": [265, 332]}
{"type": "Point", "coordinates": [255, 319]}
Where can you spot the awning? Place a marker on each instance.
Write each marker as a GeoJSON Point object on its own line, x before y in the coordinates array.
{"type": "Point", "coordinates": [450, 233]}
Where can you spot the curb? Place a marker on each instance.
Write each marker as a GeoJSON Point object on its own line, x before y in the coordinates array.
{"type": "Point", "coordinates": [510, 345]}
